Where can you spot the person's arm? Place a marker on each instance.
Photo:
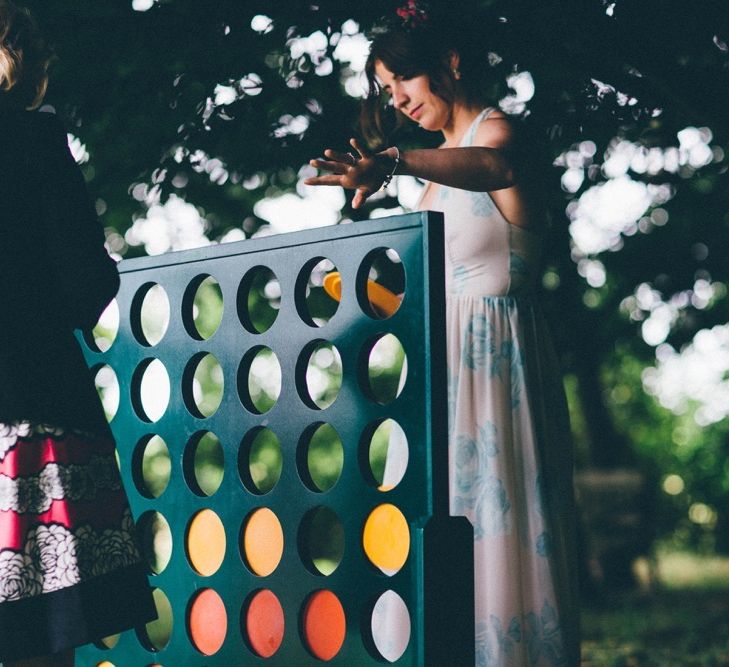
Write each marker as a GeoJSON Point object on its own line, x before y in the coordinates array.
{"type": "Point", "coordinates": [486, 166]}
{"type": "Point", "coordinates": [475, 168]}
{"type": "Point", "coordinates": [86, 278]}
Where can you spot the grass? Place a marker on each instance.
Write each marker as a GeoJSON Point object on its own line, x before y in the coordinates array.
{"type": "Point", "coordinates": [682, 619]}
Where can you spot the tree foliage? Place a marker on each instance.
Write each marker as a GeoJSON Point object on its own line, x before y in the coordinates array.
{"type": "Point", "coordinates": [139, 88]}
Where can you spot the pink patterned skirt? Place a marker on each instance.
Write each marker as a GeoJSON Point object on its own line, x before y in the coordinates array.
{"type": "Point", "coordinates": [70, 570]}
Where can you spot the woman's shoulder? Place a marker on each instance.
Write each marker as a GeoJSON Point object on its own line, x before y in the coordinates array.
{"type": "Point", "coordinates": [32, 128]}
{"type": "Point", "coordinates": [22, 117]}
{"type": "Point", "coordinates": [495, 129]}
{"type": "Point", "coordinates": [49, 124]}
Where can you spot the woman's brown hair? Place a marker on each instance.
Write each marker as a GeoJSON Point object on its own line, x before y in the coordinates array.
{"type": "Point", "coordinates": [24, 59]}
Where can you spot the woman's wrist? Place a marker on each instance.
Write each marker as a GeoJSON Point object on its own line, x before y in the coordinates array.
{"type": "Point", "coordinates": [394, 160]}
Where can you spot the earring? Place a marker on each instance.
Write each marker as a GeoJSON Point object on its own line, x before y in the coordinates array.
{"type": "Point", "coordinates": [456, 73]}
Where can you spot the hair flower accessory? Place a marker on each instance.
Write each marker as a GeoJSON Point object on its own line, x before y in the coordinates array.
{"type": "Point", "coordinates": [412, 14]}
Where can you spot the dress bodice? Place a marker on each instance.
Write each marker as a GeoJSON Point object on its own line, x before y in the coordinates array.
{"type": "Point", "coordinates": [484, 253]}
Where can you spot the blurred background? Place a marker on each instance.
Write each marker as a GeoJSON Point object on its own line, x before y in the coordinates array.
{"type": "Point", "coordinates": [194, 122]}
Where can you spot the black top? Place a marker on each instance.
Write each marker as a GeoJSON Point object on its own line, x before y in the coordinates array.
{"type": "Point", "coordinates": [55, 276]}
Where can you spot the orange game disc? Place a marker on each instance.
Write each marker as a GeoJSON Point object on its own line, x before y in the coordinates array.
{"type": "Point", "coordinates": [384, 301]}
{"type": "Point", "coordinates": [333, 285]}
{"type": "Point", "coordinates": [386, 538]}
{"type": "Point", "coordinates": [206, 542]}
{"type": "Point", "coordinates": [207, 622]}
{"type": "Point", "coordinates": [263, 541]}
{"type": "Point", "coordinates": [324, 624]}
{"type": "Point", "coordinates": [264, 623]}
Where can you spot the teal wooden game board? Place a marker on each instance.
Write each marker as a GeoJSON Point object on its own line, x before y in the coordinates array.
{"type": "Point", "coordinates": [256, 388]}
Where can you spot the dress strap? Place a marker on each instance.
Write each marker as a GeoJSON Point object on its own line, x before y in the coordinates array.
{"type": "Point", "coordinates": [471, 134]}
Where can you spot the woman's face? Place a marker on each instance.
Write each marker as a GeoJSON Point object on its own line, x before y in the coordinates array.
{"type": "Point", "coordinates": [415, 99]}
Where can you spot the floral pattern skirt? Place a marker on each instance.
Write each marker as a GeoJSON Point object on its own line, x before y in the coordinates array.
{"type": "Point", "coordinates": [511, 475]}
{"type": "Point", "coordinates": [70, 570]}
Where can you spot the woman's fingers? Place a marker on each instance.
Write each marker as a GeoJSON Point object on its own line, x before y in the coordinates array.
{"type": "Point", "coordinates": [363, 152]}
{"type": "Point", "coordinates": [329, 165]}
{"type": "Point", "coordinates": [330, 179]}
{"type": "Point", "coordinates": [345, 158]}
{"type": "Point", "coordinates": [343, 170]}
{"type": "Point", "coordinates": [360, 196]}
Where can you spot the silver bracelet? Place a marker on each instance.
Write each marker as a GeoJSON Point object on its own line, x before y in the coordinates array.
{"type": "Point", "coordinates": [388, 178]}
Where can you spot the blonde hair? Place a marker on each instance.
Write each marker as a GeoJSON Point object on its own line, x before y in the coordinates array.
{"type": "Point", "coordinates": [24, 59]}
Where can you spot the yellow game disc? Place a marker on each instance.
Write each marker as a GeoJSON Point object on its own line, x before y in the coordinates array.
{"type": "Point", "coordinates": [263, 542]}
{"type": "Point", "coordinates": [386, 538]}
{"type": "Point", "coordinates": [206, 542]}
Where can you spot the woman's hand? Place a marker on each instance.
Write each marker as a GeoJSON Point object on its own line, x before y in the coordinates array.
{"type": "Point", "coordinates": [364, 172]}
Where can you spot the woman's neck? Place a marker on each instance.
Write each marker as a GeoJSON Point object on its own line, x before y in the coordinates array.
{"type": "Point", "coordinates": [462, 117]}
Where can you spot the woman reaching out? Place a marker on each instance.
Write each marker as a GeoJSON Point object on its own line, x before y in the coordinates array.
{"type": "Point", "coordinates": [510, 455]}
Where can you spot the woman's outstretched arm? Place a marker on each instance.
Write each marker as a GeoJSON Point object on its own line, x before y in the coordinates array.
{"type": "Point", "coordinates": [488, 165]}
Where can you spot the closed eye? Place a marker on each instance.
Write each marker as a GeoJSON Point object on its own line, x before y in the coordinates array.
{"type": "Point", "coordinates": [397, 78]}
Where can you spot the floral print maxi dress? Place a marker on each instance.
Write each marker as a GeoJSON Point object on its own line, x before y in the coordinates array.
{"type": "Point", "coordinates": [509, 439]}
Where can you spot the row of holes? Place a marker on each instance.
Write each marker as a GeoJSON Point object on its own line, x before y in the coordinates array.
{"type": "Point", "coordinates": [258, 301]}
{"type": "Point", "coordinates": [318, 378]}
{"type": "Point", "coordinates": [383, 456]}
{"type": "Point", "coordinates": [384, 540]}
{"type": "Point", "coordinates": [386, 625]}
